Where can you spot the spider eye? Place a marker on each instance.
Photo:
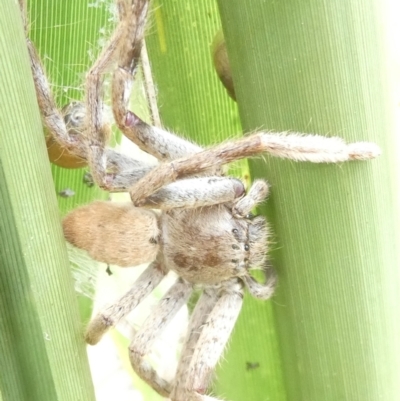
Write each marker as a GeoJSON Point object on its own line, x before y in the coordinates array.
{"type": "Point", "coordinates": [246, 247]}
{"type": "Point", "coordinates": [249, 216]}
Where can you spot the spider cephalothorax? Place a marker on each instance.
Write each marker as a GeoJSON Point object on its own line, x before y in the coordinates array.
{"type": "Point", "coordinates": [203, 230]}
{"type": "Point", "coordinates": [216, 246]}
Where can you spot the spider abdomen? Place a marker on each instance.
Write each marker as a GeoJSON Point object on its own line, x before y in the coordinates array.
{"type": "Point", "coordinates": [114, 233]}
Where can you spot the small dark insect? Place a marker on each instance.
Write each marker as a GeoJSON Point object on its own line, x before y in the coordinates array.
{"type": "Point", "coordinates": [252, 365]}
{"type": "Point", "coordinates": [66, 193]}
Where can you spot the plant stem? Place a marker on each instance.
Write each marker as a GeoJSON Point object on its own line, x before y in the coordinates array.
{"type": "Point", "coordinates": [322, 67]}
{"type": "Point", "coordinates": [42, 348]}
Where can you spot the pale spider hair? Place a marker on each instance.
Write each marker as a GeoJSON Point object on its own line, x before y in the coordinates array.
{"type": "Point", "coordinates": [204, 231]}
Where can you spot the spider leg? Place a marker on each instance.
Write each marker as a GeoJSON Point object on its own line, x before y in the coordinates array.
{"type": "Point", "coordinates": [74, 115]}
{"type": "Point", "coordinates": [120, 181]}
{"type": "Point", "coordinates": [52, 117]}
{"type": "Point", "coordinates": [262, 290]}
{"type": "Point", "coordinates": [123, 170]}
{"type": "Point", "coordinates": [195, 192]}
{"type": "Point", "coordinates": [257, 194]}
{"type": "Point", "coordinates": [297, 147]}
{"type": "Point", "coordinates": [94, 122]}
{"type": "Point", "coordinates": [215, 333]}
{"type": "Point", "coordinates": [159, 143]}
{"type": "Point", "coordinates": [110, 316]}
{"type": "Point", "coordinates": [198, 319]}
{"type": "Point", "coordinates": [140, 346]}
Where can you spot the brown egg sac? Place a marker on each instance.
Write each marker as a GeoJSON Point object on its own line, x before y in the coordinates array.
{"type": "Point", "coordinates": [74, 116]}
{"type": "Point", "coordinates": [61, 157]}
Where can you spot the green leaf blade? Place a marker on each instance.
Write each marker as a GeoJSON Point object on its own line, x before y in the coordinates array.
{"type": "Point", "coordinates": [321, 67]}
{"type": "Point", "coordinates": [41, 336]}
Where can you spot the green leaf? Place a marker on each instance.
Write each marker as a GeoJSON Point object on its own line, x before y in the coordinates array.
{"type": "Point", "coordinates": [43, 353]}
{"type": "Point", "coordinates": [323, 67]}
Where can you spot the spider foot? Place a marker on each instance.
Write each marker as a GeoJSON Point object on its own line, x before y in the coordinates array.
{"type": "Point", "coordinates": [257, 194]}
{"type": "Point", "coordinates": [96, 329]}
{"type": "Point", "coordinates": [147, 373]}
{"type": "Point", "coordinates": [262, 290]}
{"type": "Point", "coordinates": [363, 151]}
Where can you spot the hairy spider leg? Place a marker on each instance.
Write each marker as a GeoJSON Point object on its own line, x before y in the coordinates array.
{"type": "Point", "coordinates": [293, 146]}
{"type": "Point", "coordinates": [214, 335]}
{"type": "Point", "coordinates": [96, 140]}
{"type": "Point", "coordinates": [196, 192]}
{"type": "Point", "coordinates": [198, 319]}
{"type": "Point", "coordinates": [155, 141]}
{"type": "Point", "coordinates": [264, 290]}
{"type": "Point", "coordinates": [154, 325]}
{"type": "Point", "coordinates": [110, 316]}
{"type": "Point", "coordinates": [52, 117]}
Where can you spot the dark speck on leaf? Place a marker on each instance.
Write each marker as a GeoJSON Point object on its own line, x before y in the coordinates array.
{"type": "Point", "coordinates": [252, 365]}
